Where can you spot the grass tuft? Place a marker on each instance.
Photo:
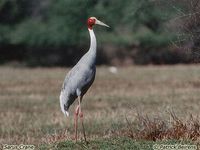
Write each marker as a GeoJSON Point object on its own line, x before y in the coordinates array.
{"type": "Point", "coordinates": [159, 129]}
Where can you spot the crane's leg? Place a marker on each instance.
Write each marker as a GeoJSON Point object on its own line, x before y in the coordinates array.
{"type": "Point", "coordinates": [81, 117]}
{"type": "Point", "coordinates": [76, 121]}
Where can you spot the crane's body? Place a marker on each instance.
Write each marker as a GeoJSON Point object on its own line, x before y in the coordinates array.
{"type": "Point", "coordinates": [80, 77]}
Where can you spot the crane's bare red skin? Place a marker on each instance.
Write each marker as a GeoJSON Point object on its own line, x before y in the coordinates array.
{"type": "Point", "coordinates": [90, 23]}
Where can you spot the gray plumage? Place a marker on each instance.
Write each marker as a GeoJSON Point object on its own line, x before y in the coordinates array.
{"type": "Point", "coordinates": [80, 77]}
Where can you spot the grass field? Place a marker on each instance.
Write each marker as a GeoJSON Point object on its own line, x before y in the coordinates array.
{"type": "Point", "coordinates": [30, 111]}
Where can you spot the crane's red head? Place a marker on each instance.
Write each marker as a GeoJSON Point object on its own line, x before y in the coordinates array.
{"type": "Point", "coordinates": [92, 21]}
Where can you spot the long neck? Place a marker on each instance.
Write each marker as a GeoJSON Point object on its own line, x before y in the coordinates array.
{"type": "Point", "coordinates": [93, 46]}
{"type": "Point", "coordinates": [93, 42]}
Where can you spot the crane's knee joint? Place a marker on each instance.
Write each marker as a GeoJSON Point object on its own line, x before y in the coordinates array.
{"type": "Point", "coordinates": [77, 110]}
{"type": "Point", "coordinates": [76, 113]}
{"type": "Point", "coordinates": [81, 115]}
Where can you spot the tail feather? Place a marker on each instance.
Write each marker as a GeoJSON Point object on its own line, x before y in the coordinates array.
{"type": "Point", "coordinates": [62, 104]}
{"type": "Point", "coordinates": [67, 113]}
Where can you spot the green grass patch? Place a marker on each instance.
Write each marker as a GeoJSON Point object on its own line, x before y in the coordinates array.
{"type": "Point", "coordinates": [112, 144]}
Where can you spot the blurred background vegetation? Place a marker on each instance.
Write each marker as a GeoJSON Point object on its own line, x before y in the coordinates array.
{"type": "Point", "coordinates": [54, 33]}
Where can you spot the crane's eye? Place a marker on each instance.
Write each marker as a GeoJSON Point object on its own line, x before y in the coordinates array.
{"type": "Point", "coordinates": [91, 22]}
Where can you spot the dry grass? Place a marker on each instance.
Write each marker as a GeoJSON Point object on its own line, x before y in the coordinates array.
{"type": "Point", "coordinates": [159, 129]}
{"type": "Point", "coordinates": [30, 113]}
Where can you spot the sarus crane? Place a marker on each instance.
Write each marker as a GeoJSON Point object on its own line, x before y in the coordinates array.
{"type": "Point", "coordinates": [79, 79]}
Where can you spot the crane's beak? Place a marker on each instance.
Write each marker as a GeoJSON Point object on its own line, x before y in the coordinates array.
{"type": "Point", "coordinates": [101, 23]}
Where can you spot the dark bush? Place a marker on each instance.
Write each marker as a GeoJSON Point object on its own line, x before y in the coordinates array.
{"type": "Point", "coordinates": [51, 32]}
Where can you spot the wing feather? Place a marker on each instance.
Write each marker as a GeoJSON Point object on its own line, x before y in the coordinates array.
{"type": "Point", "coordinates": [80, 79]}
